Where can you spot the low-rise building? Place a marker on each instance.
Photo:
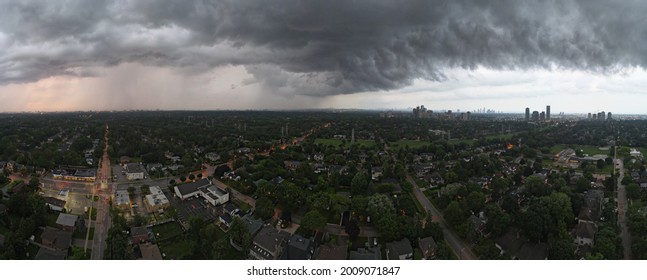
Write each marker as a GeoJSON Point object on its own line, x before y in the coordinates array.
{"type": "Point", "coordinates": [156, 201]}
{"type": "Point", "coordinates": [399, 250]}
{"type": "Point", "coordinates": [192, 189]}
{"type": "Point", "coordinates": [214, 195]}
{"type": "Point", "coordinates": [54, 204]}
{"type": "Point", "coordinates": [372, 253]}
{"type": "Point", "coordinates": [56, 239]}
{"type": "Point", "coordinates": [134, 171]}
{"type": "Point", "coordinates": [139, 235]}
{"type": "Point", "coordinates": [122, 200]}
{"type": "Point", "coordinates": [67, 221]}
{"type": "Point", "coordinates": [85, 175]}
{"type": "Point", "coordinates": [150, 252]}
{"type": "Point", "coordinates": [45, 254]}
{"type": "Point", "coordinates": [299, 248]}
{"type": "Point", "coordinates": [268, 244]}
{"type": "Point", "coordinates": [212, 156]}
{"type": "Point", "coordinates": [428, 247]}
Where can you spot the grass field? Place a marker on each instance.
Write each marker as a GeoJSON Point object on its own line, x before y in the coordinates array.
{"type": "Point", "coordinates": [338, 142]}
{"type": "Point", "coordinates": [413, 144]}
{"type": "Point", "coordinates": [466, 141]}
{"type": "Point", "coordinates": [176, 250]}
{"type": "Point", "coordinates": [501, 136]}
{"type": "Point", "coordinates": [590, 150]}
{"type": "Point", "coordinates": [81, 234]}
{"type": "Point", "coordinates": [167, 230]}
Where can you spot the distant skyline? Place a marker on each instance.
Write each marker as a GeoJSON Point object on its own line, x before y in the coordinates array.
{"type": "Point", "coordinates": [577, 56]}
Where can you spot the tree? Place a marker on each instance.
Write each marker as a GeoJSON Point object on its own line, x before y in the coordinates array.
{"type": "Point", "coordinates": [352, 229]}
{"type": "Point", "coordinates": [535, 186]}
{"type": "Point", "coordinates": [191, 177]}
{"type": "Point", "coordinates": [313, 220]}
{"type": "Point", "coordinates": [561, 249]}
{"type": "Point", "coordinates": [264, 209]}
{"type": "Point", "coordinates": [497, 219]}
{"type": "Point", "coordinates": [582, 184]}
{"type": "Point", "coordinates": [220, 249]}
{"type": "Point", "coordinates": [388, 227]}
{"type": "Point", "coordinates": [600, 163]}
{"type": "Point", "coordinates": [475, 201]}
{"type": "Point", "coordinates": [240, 235]}
{"type": "Point", "coordinates": [454, 214]}
{"type": "Point", "coordinates": [359, 184]}
{"type": "Point", "coordinates": [182, 179]}
{"type": "Point", "coordinates": [380, 205]}
{"type": "Point", "coordinates": [633, 191]}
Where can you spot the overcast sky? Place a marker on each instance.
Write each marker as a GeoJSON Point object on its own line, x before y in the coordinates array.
{"type": "Point", "coordinates": [578, 56]}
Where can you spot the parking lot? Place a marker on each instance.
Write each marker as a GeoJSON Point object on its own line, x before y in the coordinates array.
{"type": "Point", "coordinates": [194, 207]}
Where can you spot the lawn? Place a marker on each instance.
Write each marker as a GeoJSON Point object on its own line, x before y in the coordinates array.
{"type": "Point", "coordinates": [339, 142]}
{"type": "Point", "coordinates": [413, 144]}
{"type": "Point", "coordinates": [167, 230]}
{"type": "Point", "coordinates": [500, 136]}
{"type": "Point", "coordinates": [242, 205]}
{"type": "Point", "coordinates": [50, 219]}
{"type": "Point", "coordinates": [177, 250]}
{"type": "Point", "coordinates": [466, 141]}
{"type": "Point", "coordinates": [586, 149]}
{"type": "Point", "coordinates": [80, 234]}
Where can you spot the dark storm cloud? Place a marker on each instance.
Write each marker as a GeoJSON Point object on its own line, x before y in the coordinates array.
{"type": "Point", "coordinates": [320, 47]}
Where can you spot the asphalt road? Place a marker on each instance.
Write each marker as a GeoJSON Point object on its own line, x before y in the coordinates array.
{"type": "Point", "coordinates": [456, 244]}
{"type": "Point", "coordinates": [105, 190]}
{"type": "Point", "coordinates": [622, 212]}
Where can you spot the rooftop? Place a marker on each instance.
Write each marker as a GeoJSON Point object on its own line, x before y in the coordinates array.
{"type": "Point", "coordinates": [68, 220]}
{"type": "Point", "coordinates": [54, 201]}
{"type": "Point", "coordinates": [150, 251]}
{"type": "Point", "coordinates": [134, 168]}
{"type": "Point", "coordinates": [398, 248]}
{"type": "Point", "coordinates": [50, 255]}
{"type": "Point", "coordinates": [193, 186]}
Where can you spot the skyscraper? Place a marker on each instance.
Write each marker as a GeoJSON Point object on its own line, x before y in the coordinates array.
{"type": "Point", "coordinates": [527, 114]}
{"type": "Point", "coordinates": [547, 112]}
{"type": "Point", "coordinates": [609, 116]}
{"type": "Point", "coordinates": [542, 116]}
{"type": "Point", "coordinates": [535, 116]}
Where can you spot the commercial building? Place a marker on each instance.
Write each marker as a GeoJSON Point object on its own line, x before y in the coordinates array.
{"type": "Point", "coordinates": [134, 171]}
{"type": "Point", "coordinates": [156, 201]}
{"type": "Point", "coordinates": [205, 189]}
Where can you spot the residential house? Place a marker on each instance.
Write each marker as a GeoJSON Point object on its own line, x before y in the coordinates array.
{"type": "Point", "coordinates": [156, 201]}
{"type": "Point", "coordinates": [45, 254]}
{"type": "Point", "coordinates": [139, 235]}
{"type": "Point", "coordinates": [332, 251]}
{"type": "Point", "coordinates": [134, 171]}
{"type": "Point", "coordinates": [298, 248]}
{"type": "Point", "coordinates": [124, 159]}
{"type": "Point", "coordinates": [371, 253]}
{"type": "Point", "coordinates": [244, 150]}
{"type": "Point", "coordinates": [212, 156]}
{"type": "Point", "coordinates": [376, 173]}
{"type": "Point", "coordinates": [428, 247]}
{"type": "Point", "coordinates": [510, 242]}
{"type": "Point", "coordinates": [54, 204]}
{"type": "Point", "coordinates": [533, 251]}
{"type": "Point", "coordinates": [226, 219]}
{"type": "Point", "coordinates": [230, 208]}
{"type": "Point", "coordinates": [318, 157]}
{"type": "Point", "coordinates": [56, 239]}
{"type": "Point", "coordinates": [584, 233]}
{"type": "Point", "coordinates": [268, 243]}
{"type": "Point", "coordinates": [153, 167]}
{"type": "Point", "coordinates": [150, 252]}
{"type": "Point", "coordinates": [292, 165]}
{"type": "Point", "coordinates": [67, 221]}
{"type": "Point", "coordinates": [477, 224]}
{"type": "Point", "coordinates": [399, 250]}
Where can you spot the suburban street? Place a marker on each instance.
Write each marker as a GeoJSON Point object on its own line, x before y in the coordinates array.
{"type": "Point", "coordinates": [104, 190]}
{"type": "Point", "coordinates": [461, 250]}
{"type": "Point", "coordinates": [622, 212]}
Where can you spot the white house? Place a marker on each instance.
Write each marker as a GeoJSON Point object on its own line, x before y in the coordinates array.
{"type": "Point", "coordinates": [215, 195]}
{"type": "Point", "coordinates": [212, 156]}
